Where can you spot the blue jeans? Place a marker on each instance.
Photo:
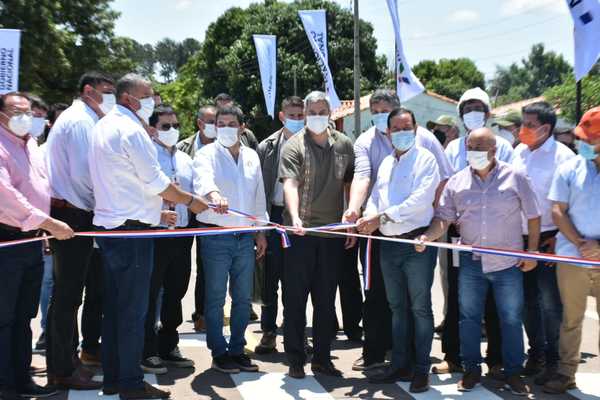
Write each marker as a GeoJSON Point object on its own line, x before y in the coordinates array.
{"type": "Point", "coordinates": [128, 265]}
{"type": "Point", "coordinates": [46, 292]}
{"type": "Point", "coordinates": [273, 270]}
{"type": "Point", "coordinates": [551, 309]}
{"type": "Point", "coordinates": [227, 257]}
{"type": "Point", "coordinates": [408, 277]}
{"type": "Point", "coordinates": [507, 285]}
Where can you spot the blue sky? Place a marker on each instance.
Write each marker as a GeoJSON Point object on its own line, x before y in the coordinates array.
{"type": "Point", "coordinates": [490, 32]}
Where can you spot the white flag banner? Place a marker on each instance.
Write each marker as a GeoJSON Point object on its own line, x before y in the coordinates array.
{"type": "Point", "coordinates": [266, 51]}
{"type": "Point", "coordinates": [586, 18]}
{"type": "Point", "coordinates": [315, 25]}
{"type": "Point", "coordinates": [10, 44]}
{"type": "Point", "coordinates": [407, 84]}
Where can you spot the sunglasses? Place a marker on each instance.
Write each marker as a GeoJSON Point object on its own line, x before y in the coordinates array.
{"type": "Point", "coordinates": [166, 127]}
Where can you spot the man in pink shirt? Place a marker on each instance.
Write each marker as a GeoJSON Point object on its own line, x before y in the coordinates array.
{"type": "Point", "coordinates": [25, 195]}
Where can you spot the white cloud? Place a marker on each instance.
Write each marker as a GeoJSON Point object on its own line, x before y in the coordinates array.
{"type": "Point", "coordinates": [183, 4]}
{"type": "Point", "coordinates": [464, 16]}
{"type": "Point", "coordinates": [514, 7]}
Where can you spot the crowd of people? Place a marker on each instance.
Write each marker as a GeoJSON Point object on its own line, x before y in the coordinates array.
{"type": "Point", "coordinates": [113, 161]}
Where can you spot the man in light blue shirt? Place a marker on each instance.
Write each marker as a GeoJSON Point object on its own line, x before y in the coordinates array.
{"type": "Point", "coordinates": [474, 110]}
{"type": "Point", "coordinates": [575, 192]}
{"type": "Point", "coordinates": [172, 256]}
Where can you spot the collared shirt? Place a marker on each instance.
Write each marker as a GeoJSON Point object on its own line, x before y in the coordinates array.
{"type": "Point", "coordinates": [178, 167]}
{"type": "Point", "coordinates": [277, 198]}
{"type": "Point", "coordinates": [577, 183]}
{"type": "Point", "coordinates": [240, 182]}
{"type": "Point", "coordinates": [373, 146]}
{"type": "Point", "coordinates": [322, 172]}
{"type": "Point", "coordinates": [488, 212]}
{"type": "Point", "coordinates": [126, 175]}
{"type": "Point", "coordinates": [405, 191]}
{"type": "Point", "coordinates": [67, 152]}
{"type": "Point", "coordinates": [198, 142]}
{"type": "Point", "coordinates": [456, 151]}
{"type": "Point", "coordinates": [24, 187]}
{"type": "Point", "coordinates": [540, 165]}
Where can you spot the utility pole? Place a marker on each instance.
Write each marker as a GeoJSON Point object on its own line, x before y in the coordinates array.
{"type": "Point", "coordinates": [357, 126]}
{"type": "Point", "coordinates": [295, 83]}
{"type": "Point", "coordinates": [578, 101]}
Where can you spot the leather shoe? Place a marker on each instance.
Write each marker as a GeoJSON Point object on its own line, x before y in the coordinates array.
{"type": "Point", "coordinates": [392, 376]}
{"type": "Point", "coordinates": [147, 392]}
{"type": "Point", "coordinates": [296, 372]}
{"type": "Point", "coordinates": [79, 380]}
{"type": "Point", "coordinates": [325, 369]}
{"type": "Point", "coordinates": [419, 383]}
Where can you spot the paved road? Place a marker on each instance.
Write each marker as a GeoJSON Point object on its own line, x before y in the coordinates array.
{"type": "Point", "coordinates": [272, 383]}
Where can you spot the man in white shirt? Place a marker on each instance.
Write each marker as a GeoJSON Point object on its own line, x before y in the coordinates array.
{"type": "Point", "coordinates": [538, 156]}
{"type": "Point", "coordinates": [401, 205]}
{"type": "Point", "coordinates": [129, 188]}
{"type": "Point", "coordinates": [72, 201]}
{"type": "Point", "coordinates": [371, 148]}
{"type": "Point", "coordinates": [228, 173]}
{"type": "Point", "coordinates": [206, 134]}
{"type": "Point", "coordinates": [172, 256]}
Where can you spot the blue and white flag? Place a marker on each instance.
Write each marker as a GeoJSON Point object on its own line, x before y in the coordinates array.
{"type": "Point", "coordinates": [315, 25]}
{"type": "Point", "coordinates": [10, 45]}
{"type": "Point", "coordinates": [586, 18]}
{"type": "Point", "coordinates": [266, 51]}
{"type": "Point", "coordinates": [407, 84]}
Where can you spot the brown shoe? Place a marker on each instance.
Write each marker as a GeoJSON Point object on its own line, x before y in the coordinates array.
{"type": "Point", "coordinates": [517, 386]}
{"type": "Point", "coordinates": [446, 367]}
{"type": "Point", "coordinates": [559, 384]}
{"type": "Point", "coordinates": [90, 359]}
{"type": "Point", "coordinates": [496, 372]}
{"type": "Point", "coordinates": [199, 324]}
{"type": "Point", "coordinates": [147, 392]}
{"type": "Point", "coordinates": [469, 380]}
{"type": "Point", "coordinates": [420, 383]}
{"type": "Point", "coordinates": [77, 381]}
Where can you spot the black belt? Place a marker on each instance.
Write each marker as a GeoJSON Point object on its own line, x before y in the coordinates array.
{"type": "Point", "coordinates": [134, 223]}
{"type": "Point", "coordinates": [412, 234]}
{"type": "Point", "coordinates": [8, 232]}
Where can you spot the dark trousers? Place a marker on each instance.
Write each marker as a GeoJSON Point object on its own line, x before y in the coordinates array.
{"type": "Point", "coordinates": [350, 292]}
{"type": "Point", "coordinates": [543, 308]}
{"type": "Point", "coordinates": [128, 265]}
{"type": "Point", "coordinates": [172, 269]}
{"type": "Point", "coordinates": [377, 316]}
{"type": "Point", "coordinates": [311, 266]}
{"type": "Point", "coordinates": [273, 271]}
{"type": "Point", "coordinates": [450, 334]}
{"type": "Point", "coordinates": [199, 291]}
{"type": "Point", "coordinates": [91, 315]}
{"type": "Point", "coordinates": [21, 271]}
{"type": "Point", "coordinates": [70, 269]}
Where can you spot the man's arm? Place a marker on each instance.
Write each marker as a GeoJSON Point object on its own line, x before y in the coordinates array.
{"type": "Point", "coordinates": [436, 230]}
{"type": "Point", "coordinates": [292, 203]}
{"type": "Point", "coordinates": [534, 228]}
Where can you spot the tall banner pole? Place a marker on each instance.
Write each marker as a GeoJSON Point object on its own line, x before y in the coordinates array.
{"type": "Point", "coordinates": [357, 72]}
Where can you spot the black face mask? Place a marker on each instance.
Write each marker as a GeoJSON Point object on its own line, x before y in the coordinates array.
{"type": "Point", "coordinates": [441, 136]}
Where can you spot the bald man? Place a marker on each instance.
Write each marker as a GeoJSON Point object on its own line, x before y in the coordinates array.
{"type": "Point", "coordinates": [487, 199]}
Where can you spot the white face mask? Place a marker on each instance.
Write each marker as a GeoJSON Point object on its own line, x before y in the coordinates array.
{"type": "Point", "coordinates": [478, 160]}
{"type": "Point", "coordinates": [169, 138]}
{"type": "Point", "coordinates": [210, 131]}
{"type": "Point", "coordinates": [227, 136]}
{"type": "Point", "coordinates": [108, 102]}
{"type": "Point", "coordinates": [506, 134]}
{"type": "Point", "coordinates": [147, 108]}
{"type": "Point", "coordinates": [20, 125]}
{"type": "Point", "coordinates": [317, 124]}
{"type": "Point", "coordinates": [381, 121]}
{"type": "Point", "coordinates": [474, 120]}
{"type": "Point", "coordinates": [37, 126]}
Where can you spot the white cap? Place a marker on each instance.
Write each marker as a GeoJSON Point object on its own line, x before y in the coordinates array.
{"type": "Point", "coordinates": [474, 94]}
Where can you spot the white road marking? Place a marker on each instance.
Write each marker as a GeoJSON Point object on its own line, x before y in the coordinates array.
{"type": "Point", "coordinates": [591, 314]}
{"type": "Point", "coordinates": [192, 340]}
{"type": "Point", "coordinates": [443, 387]}
{"type": "Point", "coordinates": [97, 394]}
{"type": "Point", "coordinates": [260, 386]}
{"type": "Point", "coordinates": [587, 386]}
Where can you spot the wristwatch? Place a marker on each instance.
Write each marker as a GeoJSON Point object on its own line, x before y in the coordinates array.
{"type": "Point", "coordinates": [384, 219]}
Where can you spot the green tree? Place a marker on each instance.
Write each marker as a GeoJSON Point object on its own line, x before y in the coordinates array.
{"type": "Point", "coordinates": [449, 77]}
{"type": "Point", "coordinates": [172, 55]}
{"type": "Point", "coordinates": [60, 40]}
{"type": "Point", "coordinates": [564, 96]}
{"type": "Point", "coordinates": [227, 60]}
{"type": "Point", "coordinates": [539, 71]}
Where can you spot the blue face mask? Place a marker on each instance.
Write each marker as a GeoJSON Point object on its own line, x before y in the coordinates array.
{"type": "Point", "coordinates": [381, 121]}
{"type": "Point", "coordinates": [403, 140]}
{"type": "Point", "coordinates": [294, 125]}
{"type": "Point", "coordinates": [587, 151]}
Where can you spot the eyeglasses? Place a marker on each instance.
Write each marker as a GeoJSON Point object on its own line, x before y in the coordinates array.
{"type": "Point", "coordinates": [166, 126]}
{"type": "Point", "coordinates": [20, 113]}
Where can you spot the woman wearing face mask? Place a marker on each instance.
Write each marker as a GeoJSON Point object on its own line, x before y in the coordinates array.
{"type": "Point", "coordinates": [474, 110]}
{"type": "Point", "coordinates": [401, 205]}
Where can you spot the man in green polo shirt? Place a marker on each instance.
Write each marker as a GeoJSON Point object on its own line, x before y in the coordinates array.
{"type": "Point", "coordinates": [316, 167]}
